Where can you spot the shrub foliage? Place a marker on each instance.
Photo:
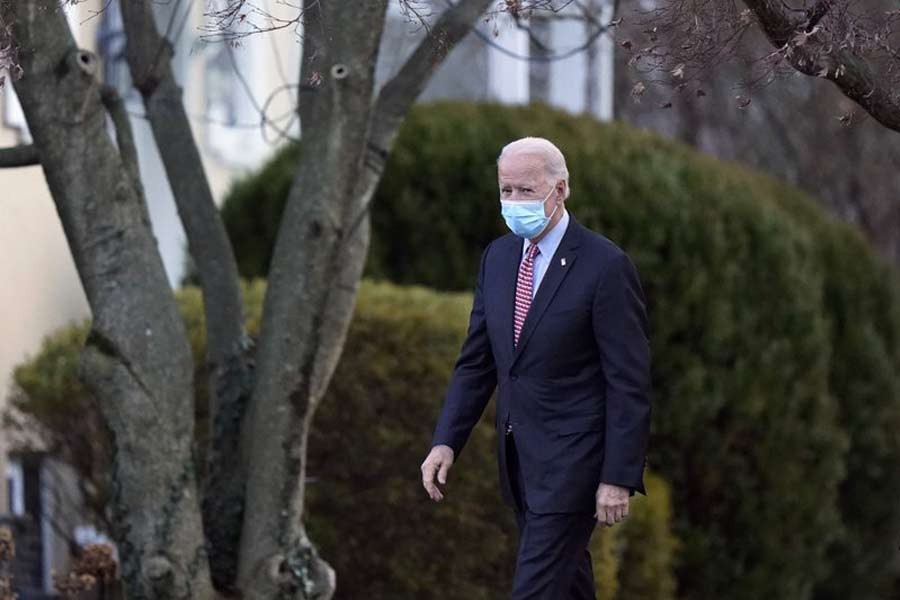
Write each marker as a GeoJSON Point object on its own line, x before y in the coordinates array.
{"type": "Point", "coordinates": [776, 333]}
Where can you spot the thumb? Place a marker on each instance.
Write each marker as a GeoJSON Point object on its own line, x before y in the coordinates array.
{"type": "Point", "coordinates": [442, 473]}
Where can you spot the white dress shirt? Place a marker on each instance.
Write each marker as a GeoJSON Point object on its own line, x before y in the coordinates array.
{"type": "Point", "coordinates": [547, 246]}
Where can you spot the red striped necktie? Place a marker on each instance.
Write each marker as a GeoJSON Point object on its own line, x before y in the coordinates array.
{"type": "Point", "coordinates": [524, 290]}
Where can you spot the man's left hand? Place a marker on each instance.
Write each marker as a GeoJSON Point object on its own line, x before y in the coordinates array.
{"type": "Point", "coordinates": [612, 504]}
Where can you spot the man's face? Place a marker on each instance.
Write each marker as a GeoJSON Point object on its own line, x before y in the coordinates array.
{"type": "Point", "coordinates": [523, 177]}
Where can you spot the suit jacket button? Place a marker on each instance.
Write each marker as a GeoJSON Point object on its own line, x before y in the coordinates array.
{"type": "Point", "coordinates": [513, 377]}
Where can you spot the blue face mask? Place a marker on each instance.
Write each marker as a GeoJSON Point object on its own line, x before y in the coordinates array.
{"type": "Point", "coordinates": [526, 218]}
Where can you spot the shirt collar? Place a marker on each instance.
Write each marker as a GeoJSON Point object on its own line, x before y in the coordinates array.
{"type": "Point", "coordinates": [550, 242]}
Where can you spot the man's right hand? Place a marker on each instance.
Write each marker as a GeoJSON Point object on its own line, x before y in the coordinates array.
{"type": "Point", "coordinates": [437, 462]}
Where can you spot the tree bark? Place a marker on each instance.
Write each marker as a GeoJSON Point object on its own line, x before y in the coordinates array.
{"type": "Point", "coordinates": [19, 156]}
{"type": "Point", "coordinates": [149, 57]}
{"type": "Point", "coordinates": [136, 360]}
{"type": "Point", "coordinates": [317, 263]}
{"type": "Point", "coordinates": [316, 266]}
{"type": "Point", "coordinates": [850, 73]}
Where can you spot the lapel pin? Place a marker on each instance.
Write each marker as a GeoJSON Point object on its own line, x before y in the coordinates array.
{"type": "Point", "coordinates": [562, 261]}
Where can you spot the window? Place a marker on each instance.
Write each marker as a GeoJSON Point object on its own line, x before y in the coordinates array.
{"type": "Point", "coordinates": [15, 487]}
{"type": "Point", "coordinates": [232, 132]}
{"type": "Point", "coordinates": [111, 46]}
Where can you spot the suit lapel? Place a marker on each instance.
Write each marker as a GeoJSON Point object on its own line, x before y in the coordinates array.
{"type": "Point", "coordinates": [509, 275]}
{"type": "Point", "coordinates": [560, 265]}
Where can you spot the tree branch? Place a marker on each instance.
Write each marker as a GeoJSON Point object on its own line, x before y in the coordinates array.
{"type": "Point", "coordinates": [401, 91]}
{"type": "Point", "coordinates": [149, 58]}
{"type": "Point", "coordinates": [24, 155]}
{"type": "Point", "coordinates": [810, 56]}
{"type": "Point", "coordinates": [124, 135]}
{"type": "Point", "coordinates": [815, 14]}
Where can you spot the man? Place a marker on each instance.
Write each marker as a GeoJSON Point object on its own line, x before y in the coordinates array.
{"type": "Point", "coordinates": [558, 322]}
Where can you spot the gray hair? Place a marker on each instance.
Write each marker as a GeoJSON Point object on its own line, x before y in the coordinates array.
{"type": "Point", "coordinates": [554, 161]}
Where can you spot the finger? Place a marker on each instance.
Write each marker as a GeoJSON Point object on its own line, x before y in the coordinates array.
{"type": "Point", "coordinates": [434, 492]}
{"type": "Point", "coordinates": [428, 479]}
{"type": "Point", "coordinates": [607, 517]}
{"type": "Point", "coordinates": [428, 469]}
{"type": "Point", "coordinates": [619, 513]}
{"type": "Point", "coordinates": [604, 515]}
{"type": "Point", "coordinates": [442, 473]}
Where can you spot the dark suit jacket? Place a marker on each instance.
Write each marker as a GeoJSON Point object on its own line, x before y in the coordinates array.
{"type": "Point", "coordinates": [576, 388]}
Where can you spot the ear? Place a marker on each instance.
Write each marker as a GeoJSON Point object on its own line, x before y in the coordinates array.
{"type": "Point", "coordinates": [562, 188]}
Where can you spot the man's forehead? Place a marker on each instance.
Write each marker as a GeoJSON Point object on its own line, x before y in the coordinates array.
{"type": "Point", "coordinates": [520, 166]}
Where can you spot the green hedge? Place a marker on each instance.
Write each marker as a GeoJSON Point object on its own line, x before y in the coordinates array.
{"type": "Point", "coordinates": [366, 507]}
{"type": "Point", "coordinates": [775, 333]}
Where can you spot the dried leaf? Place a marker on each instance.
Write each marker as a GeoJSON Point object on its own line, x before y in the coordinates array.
{"type": "Point", "coordinates": [742, 102]}
{"type": "Point", "coordinates": [800, 38]}
{"type": "Point", "coordinates": [638, 90]}
{"type": "Point", "coordinates": [678, 71]}
{"type": "Point", "coordinates": [627, 44]}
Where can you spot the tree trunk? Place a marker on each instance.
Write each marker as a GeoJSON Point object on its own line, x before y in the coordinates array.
{"type": "Point", "coordinates": [149, 58]}
{"type": "Point", "coordinates": [136, 360]}
{"type": "Point", "coordinates": [317, 263]}
{"type": "Point", "coordinates": [316, 266]}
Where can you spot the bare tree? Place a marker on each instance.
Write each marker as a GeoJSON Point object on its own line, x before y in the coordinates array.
{"type": "Point", "coordinates": [246, 535]}
{"type": "Point", "coordinates": [852, 44]}
{"type": "Point", "coordinates": [713, 78]}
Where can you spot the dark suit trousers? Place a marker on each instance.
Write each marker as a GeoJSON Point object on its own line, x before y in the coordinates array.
{"type": "Point", "coordinates": [553, 562]}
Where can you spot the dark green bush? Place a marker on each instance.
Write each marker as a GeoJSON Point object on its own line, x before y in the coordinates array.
{"type": "Point", "coordinates": [865, 378]}
{"type": "Point", "coordinates": [644, 567]}
{"type": "Point", "coordinates": [366, 507]}
{"type": "Point", "coordinates": [775, 333]}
